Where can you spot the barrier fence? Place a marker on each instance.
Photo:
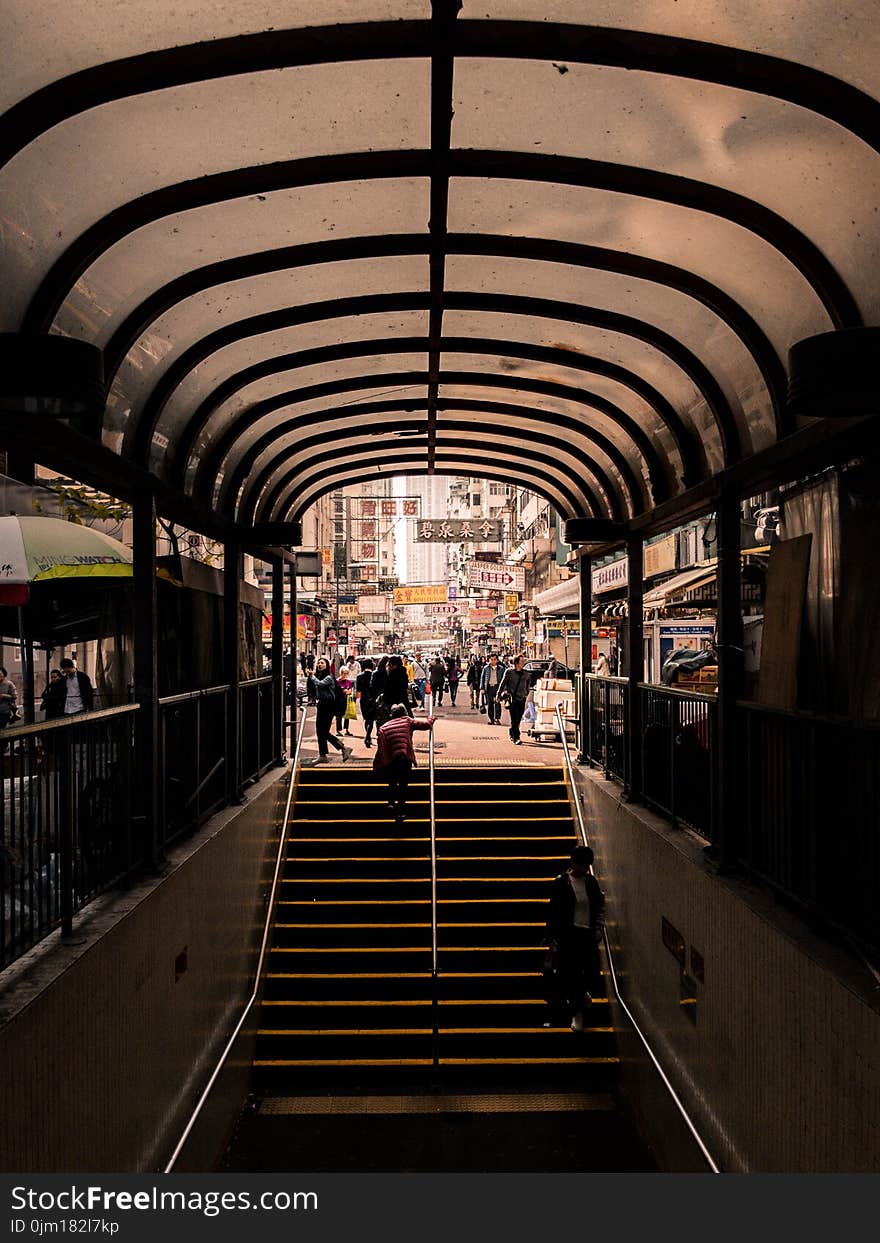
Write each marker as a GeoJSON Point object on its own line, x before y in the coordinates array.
{"type": "Point", "coordinates": [69, 822]}
{"type": "Point", "coordinates": [808, 794]}
{"type": "Point", "coordinates": [67, 832]}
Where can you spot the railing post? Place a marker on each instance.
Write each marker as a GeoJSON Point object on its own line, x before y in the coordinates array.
{"type": "Point", "coordinates": [585, 604]}
{"type": "Point", "coordinates": [294, 666]}
{"type": "Point", "coordinates": [730, 674]}
{"type": "Point", "coordinates": [65, 837]}
{"type": "Point", "coordinates": [635, 663]}
{"type": "Point", "coordinates": [231, 658]}
{"type": "Point", "coordinates": [606, 728]}
{"type": "Point", "coordinates": [146, 675]}
{"type": "Point", "coordinates": [278, 748]}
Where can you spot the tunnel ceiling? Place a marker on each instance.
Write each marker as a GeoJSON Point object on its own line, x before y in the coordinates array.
{"type": "Point", "coordinates": [561, 242]}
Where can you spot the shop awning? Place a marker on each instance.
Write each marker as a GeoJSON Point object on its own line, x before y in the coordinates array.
{"type": "Point", "coordinates": [563, 600]}
{"type": "Point", "coordinates": [682, 588]}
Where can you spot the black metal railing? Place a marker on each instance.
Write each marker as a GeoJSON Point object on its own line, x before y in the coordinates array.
{"type": "Point", "coordinates": [66, 826]}
{"type": "Point", "coordinates": [604, 723]}
{"type": "Point", "coordinates": [679, 755]}
{"type": "Point", "coordinates": [811, 823]}
{"type": "Point", "coordinates": [192, 759]}
{"type": "Point", "coordinates": [257, 741]}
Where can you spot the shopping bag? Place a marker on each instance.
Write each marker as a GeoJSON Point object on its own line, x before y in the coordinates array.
{"type": "Point", "coordinates": [350, 709]}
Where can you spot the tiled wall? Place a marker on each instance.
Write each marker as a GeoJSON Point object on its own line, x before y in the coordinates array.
{"type": "Point", "coordinates": [102, 1066]}
{"type": "Point", "coordinates": [779, 1058]}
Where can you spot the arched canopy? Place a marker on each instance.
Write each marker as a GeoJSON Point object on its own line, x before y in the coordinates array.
{"type": "Point", "coordinates": [564, 243]}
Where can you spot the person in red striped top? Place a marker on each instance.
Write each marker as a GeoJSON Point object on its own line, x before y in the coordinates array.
{"type": "Point", "coordinates": [395, 757]}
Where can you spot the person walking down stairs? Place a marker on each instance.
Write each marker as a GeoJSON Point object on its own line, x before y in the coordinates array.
{"type": "Point", "coordinates": [574, 926]}
{"type": "Point", "coordinates": [395, 757]}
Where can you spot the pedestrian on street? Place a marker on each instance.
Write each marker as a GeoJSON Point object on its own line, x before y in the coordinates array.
{"type": "Point", "coordinates": [366, 699]}
{"type": "Point", "coordinates": [574, 926]}
{"type": "Point", "coordinates": [52, 699]}
{"type": "Point", "coordinates": [474, 672]}
{"type": "Point", "coordinates": [490, 680]}
{"type": "Point", "coordinates": [323, 691]}
{"type": "Point", "coordinates": [79, 694]}
{"type": "Point", "coordinates": [513, 691]}
{"type": "Point", "coordinates": [603, 668]}
{"type": "Point", "coordinates": [345, 683]}
{"type": "Point", "coordinates": [395, 757]}
{"type": "Point", "coordinates": [8, 699]}
{"type": "Point", "coordinates": [420, 674]}
{"type": "Point", "coordinates": [437, 678]}
{"type": "Point", "coordinates": [396, 689]}
{"type": "Point", "coordinates": [453, 676]}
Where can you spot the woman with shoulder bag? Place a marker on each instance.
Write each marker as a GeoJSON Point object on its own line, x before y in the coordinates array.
{"type": "Point", "coordinates": [323, 691]}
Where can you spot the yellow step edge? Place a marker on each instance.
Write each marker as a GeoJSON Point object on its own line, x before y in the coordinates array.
{"type": "Point", "coordinates": [356, 858]}
{"type": "Point", "coordinates": [404, 949]}
{"type": "Point", "coordinates": [426, 925]}
{"type": "Point", "coordinates": [344, 1031]}
{"type": "Point", "coordinates": [425, 1031]}
{"type": "Point", "coordinates": [411, 880]}
{"type": "Point", "coordinates": [349, 975]}
{"type": "Point", "coordinates": [424, 1001]}
{"type": "Point", "coordinates": [358, 1063]}
{"type": "Point", "coordinates": [354, 1062]}
{"type": "Point", "coordinates": [529, 1061]}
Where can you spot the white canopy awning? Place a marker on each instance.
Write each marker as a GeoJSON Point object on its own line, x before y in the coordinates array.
{"type": "Point", "coordinates": [559, 601]}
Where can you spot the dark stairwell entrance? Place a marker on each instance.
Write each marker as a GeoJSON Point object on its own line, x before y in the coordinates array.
{"type": "Point", "coordinates": [347, 1074]}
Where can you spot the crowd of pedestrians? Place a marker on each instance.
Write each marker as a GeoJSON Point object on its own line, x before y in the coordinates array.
{"type": "Point", "coordinates": [376, 688]}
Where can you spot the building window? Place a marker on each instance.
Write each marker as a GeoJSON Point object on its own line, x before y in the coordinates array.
{"type": "Point", "coordinates": [475, 499]}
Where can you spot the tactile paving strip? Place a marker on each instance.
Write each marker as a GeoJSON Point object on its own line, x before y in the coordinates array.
{"type": "Point", "coordinates": [440, 1104]}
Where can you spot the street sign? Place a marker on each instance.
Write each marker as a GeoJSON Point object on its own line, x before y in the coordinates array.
{"type": "Point", "coordinates": [514, 619]}
{"type": "Point", "coordinates": [511, 602]}
{"type": "Point", "coordinates": [488, 574]}
{"type": "Point", "coordinates": [443, 610]}
{"type": "Point", "coordinates": [427, 594]}
{"type": "Point", "coordinates": [459, 530]}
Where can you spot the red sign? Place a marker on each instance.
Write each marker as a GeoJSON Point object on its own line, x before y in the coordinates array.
{"type": "Point", "coordinates": [514, 619]}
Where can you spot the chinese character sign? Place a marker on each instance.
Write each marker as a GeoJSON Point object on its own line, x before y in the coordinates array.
{"type": "Point", "coordinates": [509, 578]}
{"type": "Point", "coordinates": [458, 530]}
{"type": "Point", "coordinates": [433, 594]}
{"type": "Point", "coordinates": [389, 509]}
{"type": "Point", "coordinates": [411, 508]}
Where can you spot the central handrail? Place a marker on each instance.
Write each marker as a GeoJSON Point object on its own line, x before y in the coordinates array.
{"type": "Point", "coordinates": [582, 833]}
{"type": "Point", "coordinates": [258, 974]}
{"type": "Point", "coordinates": [435, 981]}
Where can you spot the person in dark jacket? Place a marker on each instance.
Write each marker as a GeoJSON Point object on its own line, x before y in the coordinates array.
{"type": "Point", "coordinates": [453, 676]}
{"type": "Point", "coordinates": [490, 680]}
{"type": "Point", "coordinates": [366, 699]}
{"type": "Point", "coordinates": [52, 698]}
{"type": "Point", "coordinates": [396, 688]}
{"type": "Point", "coordinates": [437, 679]}
{"type": "Point", "coordinates": [79, 694]}
{"type": "Point", "coordinates": [574, 925]}
{"type": "Point", "coordinates": [513, 690]}
{"type": "Point", "coordinates": [324, 691]}
{"type": "Point", "coordinates": [474, 670]}
{"type": "Point", "coordinates": [395, 756]}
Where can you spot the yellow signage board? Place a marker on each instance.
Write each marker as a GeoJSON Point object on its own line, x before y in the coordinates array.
{"type": "Point", "coordinates": [511, 602]}
{"type": "Point", "coordinates": [427, 594]}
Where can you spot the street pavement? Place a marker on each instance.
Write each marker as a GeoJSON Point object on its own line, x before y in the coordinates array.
{"type": "Point", "coordinates": [461, 736]}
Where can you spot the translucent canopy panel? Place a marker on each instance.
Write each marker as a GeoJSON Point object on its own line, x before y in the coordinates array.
{"type": "Point", "coordinates": [46, 39]}
{"type": "Point", "coordinates": [815, 34]}
{"type": "Point", "coordinates": [542, 422]}
{"type": "Point", "coordinates": [102, 159]}
{"type": "Point", "coordinates": [672, 324]}
{"type": "Point", "coordinates": [239, 311]}
{"type": "Point", "coordinates": [158, 253]}
{"type": "Point", "coordinates": [589, 385]}
{"type": "Point", "coordinates": [794, 161]}
{"type": "Point", "coordinates": [742, 265]}
{"type": "Point", "coordinates": [262, 350]}
{"type": "Point", "coordinates": [356, 386]}
{"type": "Point", "coordinates": [412, 235]}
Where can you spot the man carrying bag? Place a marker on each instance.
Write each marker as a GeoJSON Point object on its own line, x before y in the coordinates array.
{"type": "Point", "coordinates": [513, 691]}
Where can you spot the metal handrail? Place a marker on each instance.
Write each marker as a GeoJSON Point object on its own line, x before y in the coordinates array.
{"type": "Point", "coordinates": [267, 928]}
{"type": "Point", "coordinates": [674, 693]}
{"type": "Point", "coordinates": [435, 976]}
{"type": "Point", "coordinates": [65, 722]}
{"type": "Point", "coordinates": [184, 696]}
{"type": "Point", "coordinates": [582, 833]}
